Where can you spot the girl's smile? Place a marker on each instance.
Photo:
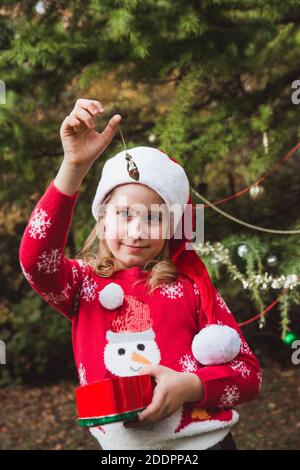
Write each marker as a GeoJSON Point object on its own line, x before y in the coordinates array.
{"type": "Point", "coordinates": [134, 249]}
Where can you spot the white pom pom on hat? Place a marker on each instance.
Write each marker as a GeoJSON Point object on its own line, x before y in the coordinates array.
{"type": "Point", "coordinates": [111, 296]}
{"type": "Point", "coordinates": [216, 344]}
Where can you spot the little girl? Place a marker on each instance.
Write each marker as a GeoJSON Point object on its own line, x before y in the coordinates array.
{"type": "Point", "coordinates": [137, 296]}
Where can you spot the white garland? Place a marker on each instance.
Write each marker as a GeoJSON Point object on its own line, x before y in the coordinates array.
{"type": "Point", "coordinates": [222, 255]}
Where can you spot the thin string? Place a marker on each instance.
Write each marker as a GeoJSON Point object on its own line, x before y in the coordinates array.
{"type": "Point", "coordinates": [122, 137]}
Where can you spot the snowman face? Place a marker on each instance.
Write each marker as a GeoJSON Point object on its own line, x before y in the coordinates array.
{"type": "Point", "coordinates": [125, 359]}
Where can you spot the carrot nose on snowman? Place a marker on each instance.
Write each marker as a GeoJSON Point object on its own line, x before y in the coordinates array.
{"type": "Point", "coordinates": [140, 359]}
{"type": "Point", "coordinates": [111, 296]}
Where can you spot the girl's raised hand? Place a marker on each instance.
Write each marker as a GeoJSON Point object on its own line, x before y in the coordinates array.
{"type": "Point", "coordinates": [81, 142]}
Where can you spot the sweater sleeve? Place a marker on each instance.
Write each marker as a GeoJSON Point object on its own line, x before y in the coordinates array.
{"type": "Point", "coordinates": [233, 383]}
{"type": "Point", "coordinates": [56, 278]}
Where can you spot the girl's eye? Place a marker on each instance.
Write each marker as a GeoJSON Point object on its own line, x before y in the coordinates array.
{"type": "Point", "coordinates": [124, 213]}
{"type": "Point", "coordinates": [155, 218]}
{"type": "Point", "coordinates": [152, 217]}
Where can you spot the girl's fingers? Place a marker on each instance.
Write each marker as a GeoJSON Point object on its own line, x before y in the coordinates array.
{"type": "Point", "coordinates": [84, 103]}
{"type": "Point", "coordinates": [155, 416]}
{"type": "Point", "coordinates": [93, 109]}
{"type": "Point", "coordinates": [72, 121]}
{"type": "Point", "coordinates": [70, 124]}
{"type": "Point", "coordinates": [85, 110]}
{"type": "Point", "coordinates": [83, 116]}
{"type": "Point", "coordinates": [110, 129]}
{"type": "Point", "coordinates": [154, 408]}
{"type": "Point", "coordinates": [84, 113]}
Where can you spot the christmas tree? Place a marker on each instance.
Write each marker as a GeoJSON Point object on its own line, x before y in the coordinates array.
{"type": "Point", "coordinates": [212, 83]}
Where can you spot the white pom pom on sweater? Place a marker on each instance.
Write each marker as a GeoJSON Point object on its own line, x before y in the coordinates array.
{"type": "Point", "coordinates": [112, 296]}
{"type": "Point", "coordinates": [216, 344]}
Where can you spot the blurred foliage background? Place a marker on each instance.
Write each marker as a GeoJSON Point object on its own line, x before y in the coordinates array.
{"type": "Point", "coordinates": [210, 83]}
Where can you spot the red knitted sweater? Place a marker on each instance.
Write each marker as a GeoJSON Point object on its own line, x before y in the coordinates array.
{"type": "Point", "coordinates": [173, 317]}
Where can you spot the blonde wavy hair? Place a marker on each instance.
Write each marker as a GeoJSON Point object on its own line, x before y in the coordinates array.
{"type": "Point", "coordinates": [96, 253]}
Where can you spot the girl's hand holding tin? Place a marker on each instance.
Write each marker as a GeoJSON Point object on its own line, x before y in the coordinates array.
{"type": "Point", "coordinates": [81, 142]}
{"type": "Point", "coordinates": [173, 389]}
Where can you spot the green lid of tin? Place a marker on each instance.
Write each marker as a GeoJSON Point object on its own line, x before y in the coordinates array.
{"type": "Point", "coordinates": [88, 422]}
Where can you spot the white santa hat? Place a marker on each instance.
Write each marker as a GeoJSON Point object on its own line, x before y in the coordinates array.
{"type": "Point", "coordinates": [155, 169]}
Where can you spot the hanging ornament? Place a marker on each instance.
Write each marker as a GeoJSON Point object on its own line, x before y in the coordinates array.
{"type": "Point", "coordinates": [266, 142]}
{"type": "Point", "coordinates": [40, 7]}
{"type": "Point", "coordinates": [132, 169]}
{"type": "Point", "coordinates": [242, 251]}
{"type": "Point", "coordinates": [272, 260]}
{"type": "Point", "coordinates": [289, 338]}
{"type": "Point", "coordinates": [152, 138]}
{"type": "Point", "coordinates": [256, 192]}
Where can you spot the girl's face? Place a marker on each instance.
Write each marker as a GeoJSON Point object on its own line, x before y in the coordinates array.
{"type": "Point", "coordinates": [136, 222]}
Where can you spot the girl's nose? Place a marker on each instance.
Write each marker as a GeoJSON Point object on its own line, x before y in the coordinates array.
{"type": "Point", "coordinates": [136, 229]}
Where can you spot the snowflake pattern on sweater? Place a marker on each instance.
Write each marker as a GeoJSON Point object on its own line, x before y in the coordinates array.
{"type": "Point", "coordinates": [230, 396]}
{"type": "Point", "coordinates": [89, 289]}
{"type": "Point", "coordinates": [50, 261]}
{"type": "Point", "coordinates": [173, 290]}
{"type": "Point", "coordinates": [241, 367]}
{"type": "Point", "coordinates": [39, 223]}
{"type": "Point", "coordinates": [188, 363]}
{"type": "Point", "coordinates": [156, 329]}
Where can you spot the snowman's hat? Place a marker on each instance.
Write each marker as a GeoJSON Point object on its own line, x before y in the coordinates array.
{"type": "Point", "coordinates": [134, 320]}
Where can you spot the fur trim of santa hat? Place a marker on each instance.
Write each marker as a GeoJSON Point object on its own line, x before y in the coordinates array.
{"type": "Point", "coordinates": [216, 344]}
